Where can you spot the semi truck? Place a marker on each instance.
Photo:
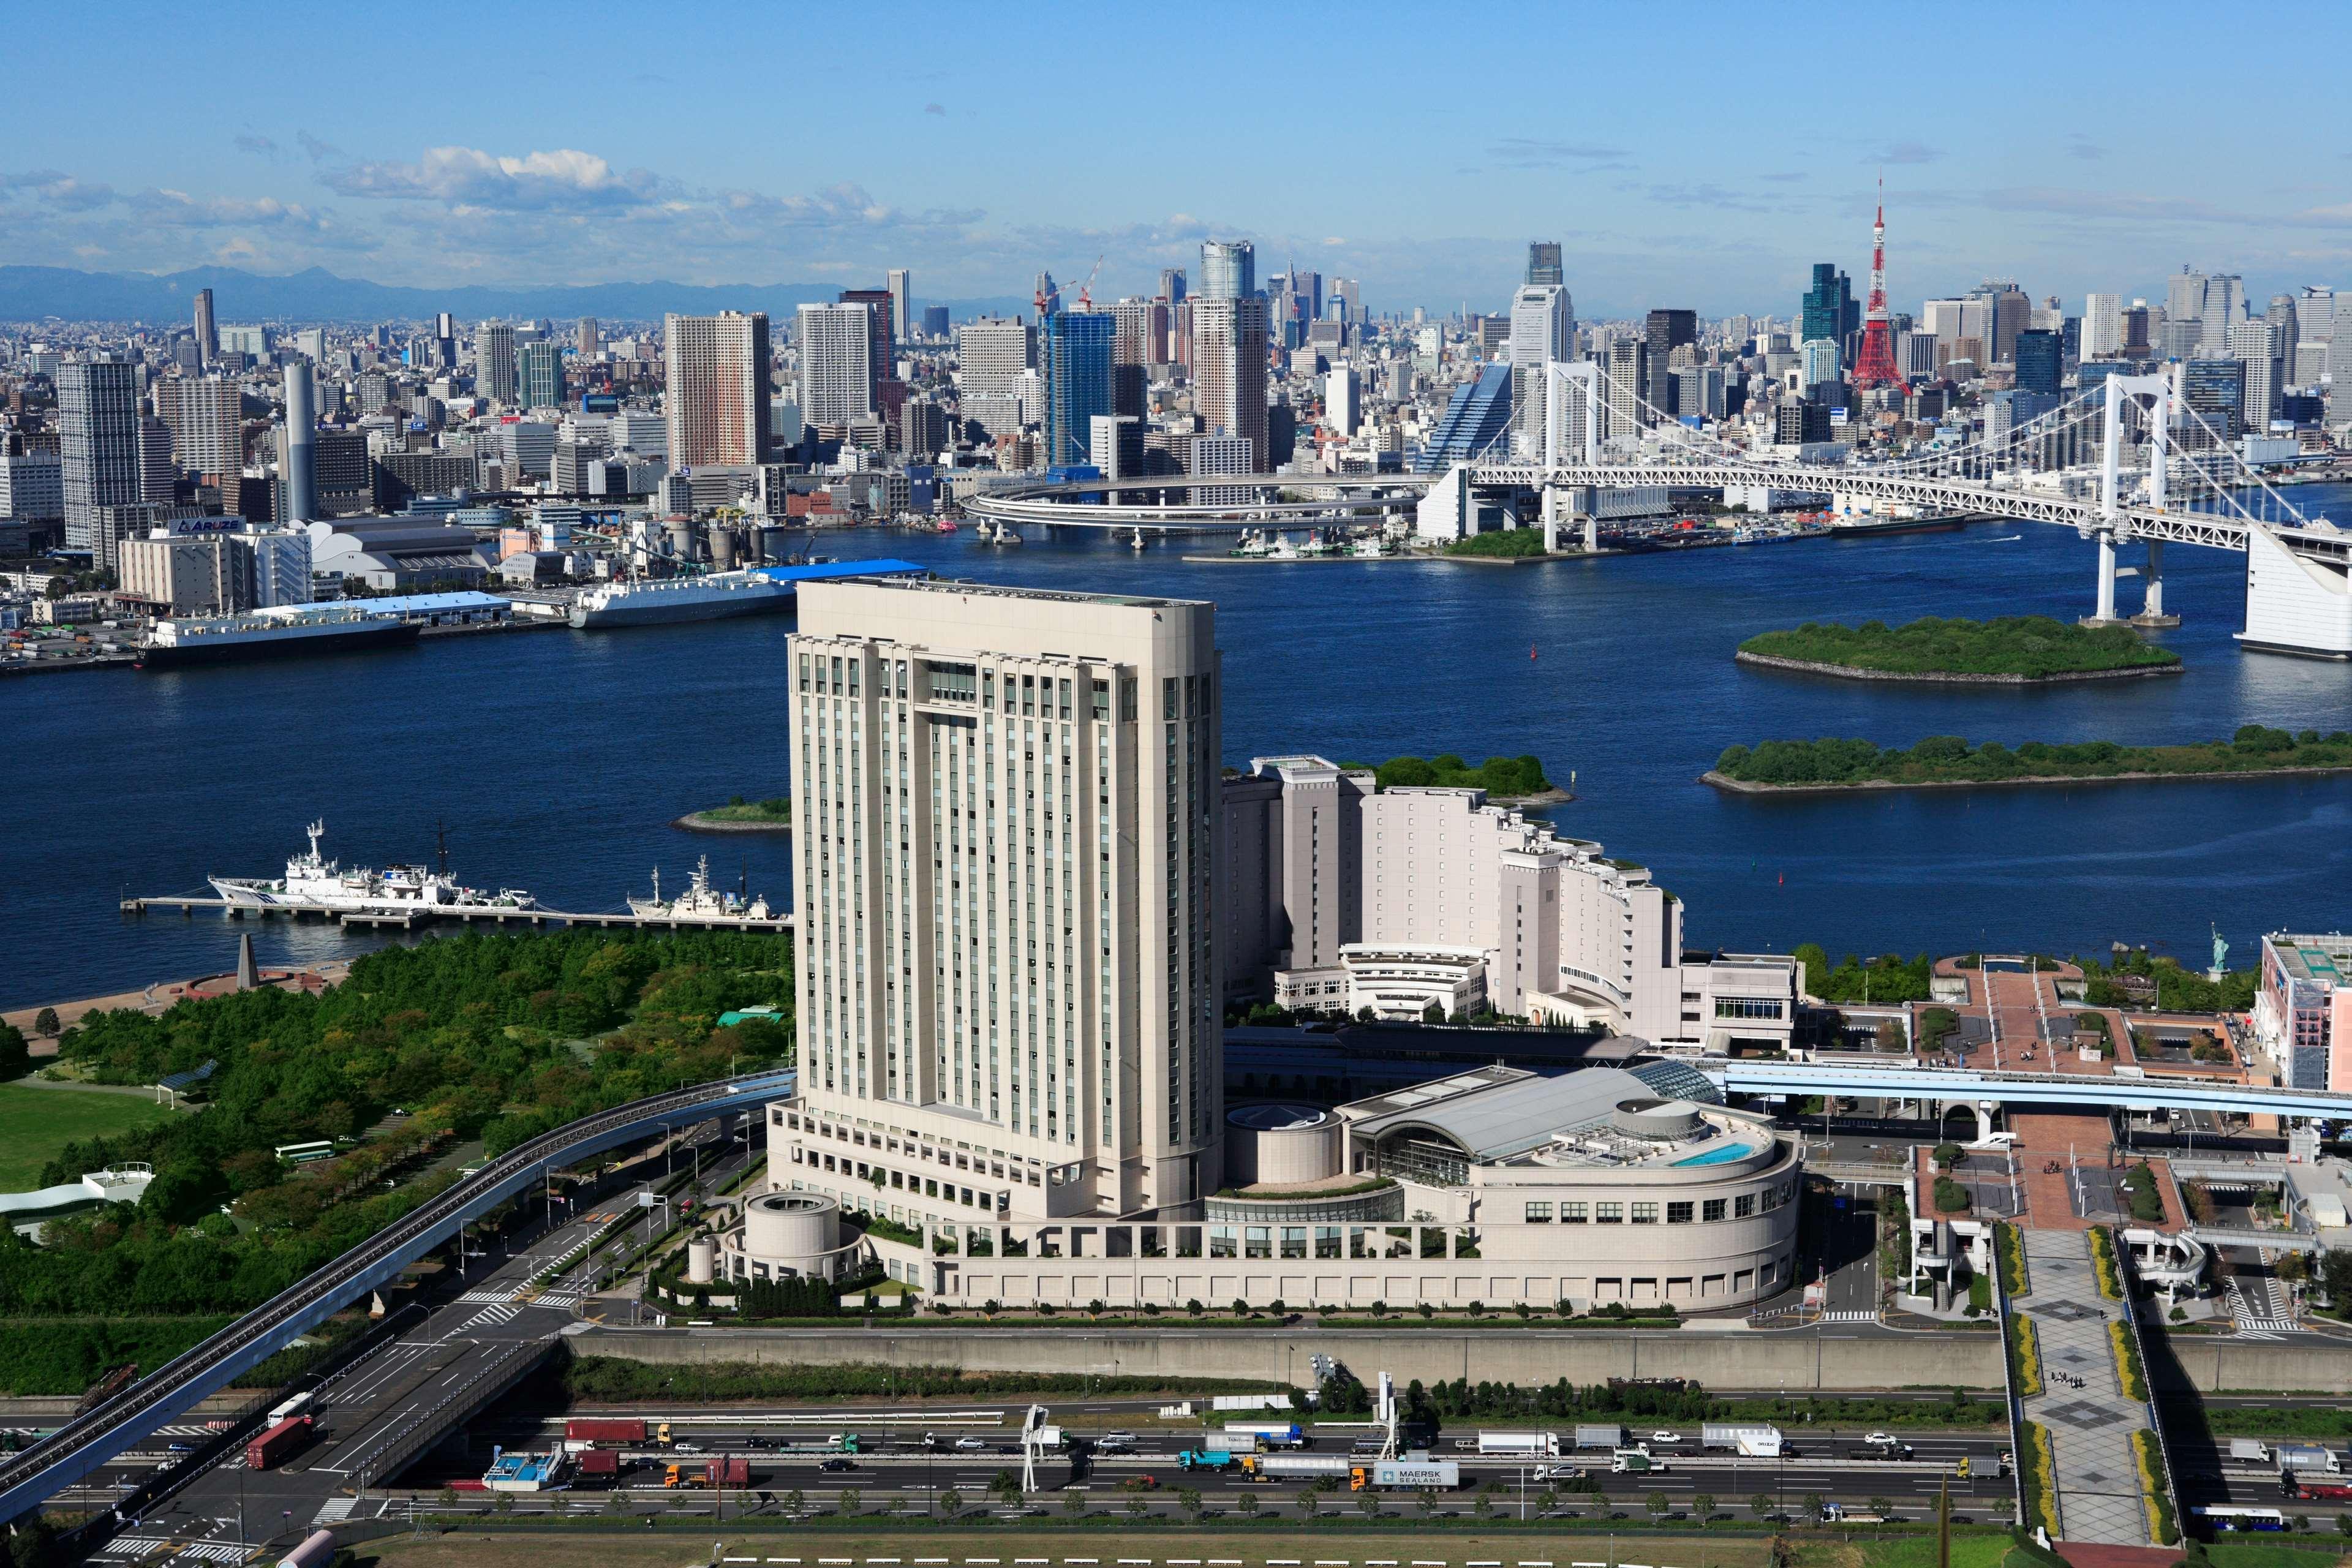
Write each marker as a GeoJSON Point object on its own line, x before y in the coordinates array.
{"type": "Point", "coordinates": [716, 1473]}
{"type": "Point", "coordinates": [1229, 1442]}
{"type": "Point", "coordinates": [1294, 1466]}
{"type": "Point", "coordinates": [1521, 1445]}
{"type": "Point", "coordinates": [1207, 1459]}
{"type": "Point", "coordinates": [1749, 1440]}
{"type": "Point", "coordinates": [2308, 1458]}
{"type": "Point", "coordinates": [605, 1432]}
{"type": "Point", "coordinates": [1599, 1437]}
{"type": "Point", "coordinates": [1271, 1433]}
{"type": "Point", "coordinates": [281, 1442]}
{"type": "Point", "coordinates": [2318, 1488]}
{"type": "Point", "coordinates": [605, 1462]}
{"type": "Point", "coordinates": [1412, 1473]}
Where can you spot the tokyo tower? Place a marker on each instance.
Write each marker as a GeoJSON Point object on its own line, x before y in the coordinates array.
{"type": "Point", "coordinates": [1876, 365]}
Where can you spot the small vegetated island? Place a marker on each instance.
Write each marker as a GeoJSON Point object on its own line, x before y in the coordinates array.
{"type": "Point", "coordinates": [774, 815]}
{"type": "Point", "coordinates": [1501, 544]}
{"type": "Point", "coordinates": [1506, 780]}
{"type": "Point", "coordinates": [2015, 649]}
{"type": "Point", "coordinates": [1948, 759]}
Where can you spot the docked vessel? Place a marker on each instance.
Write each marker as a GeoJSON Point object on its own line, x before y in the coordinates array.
{"type": "Point", "coordinates": [707, 596]}
{"type": "Point", "coordinates": [313, 881]}
{"type": "Point", "coordinates": [1922, 522]}
{"type": "Point", "coordinates": [290, 633]}
{"type": "Point", "coordinates": [700, 902]}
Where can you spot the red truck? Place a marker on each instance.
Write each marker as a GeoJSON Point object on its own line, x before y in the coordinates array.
{"type": "Point", "coordinates": [274, 1445]}
{"type": "Point", "coordinates": [2322, 1490]}
{"type": "Point", "coordinates": [728, 1473]}
{"type": "Point", "coordinates": [604, 1431]}
{"type": "Point", "coordinates": [600, 1462]}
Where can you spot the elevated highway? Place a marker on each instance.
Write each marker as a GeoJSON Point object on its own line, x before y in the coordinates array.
{"type": "Point", "coordinates": [88, 1441]}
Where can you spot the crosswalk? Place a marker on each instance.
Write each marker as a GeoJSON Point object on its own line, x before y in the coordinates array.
{"type": "Point", "coordinates": [500, 1293]}
{"type": "Point", "coordinates": [138, 1548]}
{"type": "Point", "coordinates": [214, 1551]}
{"type": "Point", "coordinates": [562, 1300]}
{"type": "Point", "coordinates": [1844, 1315]}
{"type": "Point", "coordinates": [337, 1509]}
{"type": "Point", "coordinates": [491, 1315]}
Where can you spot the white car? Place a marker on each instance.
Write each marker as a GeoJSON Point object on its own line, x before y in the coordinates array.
{"type": "Point", "coordinates": [1666, 1436]}
{"type": "Point", "coordinates": [1883, 1440]}
{"type": "Point", "coordinates": [1559, 1472]}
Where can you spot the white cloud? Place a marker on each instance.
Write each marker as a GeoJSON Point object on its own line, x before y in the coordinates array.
{"type": "Point", "coordinates": [468, 178]}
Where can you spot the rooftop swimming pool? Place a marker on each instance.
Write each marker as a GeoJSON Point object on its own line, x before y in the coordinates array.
{"type": "Point", "coordinates": [1720, 1153]}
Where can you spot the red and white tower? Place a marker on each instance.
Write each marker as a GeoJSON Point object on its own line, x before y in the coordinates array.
{"type": "Point", "coordinates": [1876, 365]}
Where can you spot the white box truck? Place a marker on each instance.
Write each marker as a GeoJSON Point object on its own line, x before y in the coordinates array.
{"type": "Point", "coordinates": [1599, 1437]}
{"type": "Point", "coordinates": [1749, 1440]}
{"type": "Point", "coordinates": [1522, 1445]}
{"type": "Point", "coordinates": [2249, 1451]}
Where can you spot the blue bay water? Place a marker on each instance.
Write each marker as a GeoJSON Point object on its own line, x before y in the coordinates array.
{"type": "Point", "coordinates": [558, 759]}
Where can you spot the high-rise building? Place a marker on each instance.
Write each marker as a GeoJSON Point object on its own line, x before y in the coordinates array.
{"type": "Point", "coordinates": [207, 417]}
{"type": "Point", "coordinates": [1543, 263]}
{"type": "Point", "coordinates": [494, 362]}
{"type": "Point", "coordinates": [2012, 312]}
{"type": "Point", "coordinates": [297, 451]}
{"type": "Point", "coordinates": [1229, 366]}
{"type": "Point", "coordinates": [1347, 301]}
{"type": "Point", "coordinates": [1140, 343]}
{"type": "Point", "coordinates": [587, 338]}
{"type": "Point", "coordinates": [2225, 307]}
{"type": "Point", "coordinates": [922, 429]}
{"type": "Point", "coordinates": [1823, 366]}
{"type": "Point", "coordinates": [2286, 333]}
{"type": "Point", "coordinates": [2255, 344]}
{"type": "Point", "coordinates": [837, 364]}
{"type": "Point", "coordinates": [899, 284]}
{"type": "Point", "coordinates": [2102, 326]}
{"type": "Point", "coordinates": [158, 479]}
{"type": "Point", "coordinates": [1828, 309]}
{"type": "Point", "coordinates": [1078, 353]}
{"type": "Point", "coordinates": [208, 334]}
{"type": "Point", "coordinates": [1666, 331]}
{"type": "Point", "coordinates": [882, 354]}
{"type": "Point", "coordinates": [717, 384]}
{"type": "Point", "coordinates": [1228, 270]}
{"type": "Point", "coordinates": [1543, 330]}
{"type": "Point", "coordinates": [539, 375]}
{"type": "Point", "coordinates": [1171, 284]}
{"type": "Point", "coordinates": [98, 443]}
{"type": "Point", "coordinates": [1343, 399]}
{"type": "Point", "coordinates": [1478, 411]}
{"type": "Point", "coordinates": [1087, 1079]}
{"type": "Point", "coordinates": [2215, 391]}
{"type": "Point", "coordinates": [2040, 362]}
{"type": "Point", "coordinates": [935, 322]}
{"type": "Point", "coordinates": [444, 340]}
{"type": "Point", "coordinates": [1628, 368]}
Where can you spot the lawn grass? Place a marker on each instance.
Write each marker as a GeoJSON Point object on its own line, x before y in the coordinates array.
{"type": "Point", "coordinates": [2228, 1553]}
{"type": "Point", "coordinates": [36, 1123]}
{"type": "Point", "coordinates": [1249, 1549]}
{"type": "Point", "coordinates": [1898, 1552]}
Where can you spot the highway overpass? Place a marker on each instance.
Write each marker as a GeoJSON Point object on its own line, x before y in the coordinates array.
{"type": "Point", "coordinates": [88, 1441]}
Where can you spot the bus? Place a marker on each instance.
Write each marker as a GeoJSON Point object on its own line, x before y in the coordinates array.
{"type": "Point", "coordinates": [2229, 1516]}
{"type": "Point", "coordinates": [303, 1153]}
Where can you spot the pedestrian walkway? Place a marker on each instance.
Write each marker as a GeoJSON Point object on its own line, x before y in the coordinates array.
{"type": "Point", "coordinates": [2091, 1426]}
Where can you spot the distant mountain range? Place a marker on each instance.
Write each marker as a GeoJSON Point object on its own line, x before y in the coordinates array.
{"type": "Point", "coordinates": [37, 293]}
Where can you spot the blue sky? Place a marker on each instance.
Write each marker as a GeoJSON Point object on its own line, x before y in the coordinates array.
{"type": "Point", "coordinates": [1699, 155]}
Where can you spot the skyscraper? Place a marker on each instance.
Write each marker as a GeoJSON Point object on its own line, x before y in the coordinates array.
{"type": "Point", "coordinates": [717, 393]}
{"type": "Point", "coordinates": [1543, 263]}
{"type": "Point", "coordinates": [1078, 352]}
{"type": "Point", "coordinates": [1140, 342]}
{"type": "Point", "coordinates": [899, 283]}
{"type": "Point", "coordinates": [1628, 369]}
{"type": "Point", "coordinates": [929, 724]}
{"type": "Point", "coordinates": [298, 452]}
{"type": "Point", "coordinates": [1543, 329]}
{"type": "Point", "coordinates": [494, 362]}
{"type": "Point", "coordinates": [1666, 331]}
{"type": "Point", "coordinates": [837, 364]}
{"type": "Point", "coordinates": [539, 375]}
{"type": "Point", "coordinates": [444, 340]}
{"type": "Point", "coordinates": [1228, 368]}
{"type": "Point", "coordinates": [2040, 363]}
{"type": "Point", "coordinates": [207, 417]}
{"type": "Point", "coordinates": [2102, 326]}
{"type": "Point", "coordinates": [881, 354]}
{"type": "Point", "coordinates": [208, 334]}
{"type": "Point", "coordinates": [97, 442]}
{"type": "Point", "coordinates": [2255, 344]}
{"type": "Point", "coordinates": [1828, 309]}
{"type": "Point", "coordinates": [588, 339]}
{"type": "Point", "coordinates": [1228, 270]}
{"type": "Point", "coordinates": [158, 477]}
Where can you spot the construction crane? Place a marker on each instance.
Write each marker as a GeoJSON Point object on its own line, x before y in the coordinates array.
{"type": "Point", "coordinates": [1086, 299]}
{"type": "Point", "coordinates": [1046, 286]}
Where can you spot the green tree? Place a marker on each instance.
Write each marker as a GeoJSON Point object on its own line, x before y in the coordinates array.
{"type": "Point", "coordinates": [1074, 1504]}
{"type": "Point", "coordinates": [44, 1022]}
{"type": "Point", "coordinates": [1813, 962]}
{"type": "Point", "coordinates": [1702, 1507]}
{"type": "Point", "coordinates": [1813, 1506]}
{"type": "Point", "coordinates": [852, 1500]}
{"type": "Point", "coordinates": [1659, 1504]}
{"type": "Point", "coordinates": [1883, 1507]}
{"type": "Point", "coordinates": [1548, 1499]}
{"type": "Point", "coordinates": [16, 1058]}
{"type": "Point", "coordinates": [951, 1502]}
{"type": "Point", "coordinates": [795, 1500]}
{"type": "Point", "coordinates": [1308, 1502]}
{"type": "Point", "coordinates": [1760, 1505]}
{"type": "Point", "coordinates": [1189, 1499]}
{"type": "Point", "coordinates": [1249, 1504]}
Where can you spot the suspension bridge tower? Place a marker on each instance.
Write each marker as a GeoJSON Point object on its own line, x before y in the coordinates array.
{"type": "Point", "coordinates": [1876, 365]}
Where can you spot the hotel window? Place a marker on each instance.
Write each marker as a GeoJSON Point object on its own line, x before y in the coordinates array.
{"type": "Point", "coordinates": [1645, 1214]}
{"type": "Point", "coordinates": [1257, 1241]}
{"type": "Point", "coordinates": [1571, 1213]}
{"type": "Point", "coordinates": [1608, 1214]}
{"type": "Point", "coordinates": [1773, 1199]}
{"type": "Point", "coordinates": [1747, 1008]}
{"type": "Point", "coordinates": [1743, 1206]}
{"type": "Point", "coordinates": [1326, 1241]}
{"type": "Point", "coordinates": [1678, 1214]}
{"type": "Point", "coordinates": [1712, 1209]}
{"type": "Point", "coordinates": [1294, 1241]}
{"type": "Point", "coordinates": [1220, 1241]}
{"type": "Point", "coordinates": [1539, 1213]}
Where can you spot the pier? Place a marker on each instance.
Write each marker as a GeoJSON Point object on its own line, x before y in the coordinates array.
{"type": "Point", "coordinates": [409, 919]}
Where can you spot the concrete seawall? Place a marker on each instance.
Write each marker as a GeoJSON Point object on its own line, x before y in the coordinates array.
{"type": "Point", "coordinates": [1802, 1362]}
{"type": "Point", "coordinates": [2219, 1365]}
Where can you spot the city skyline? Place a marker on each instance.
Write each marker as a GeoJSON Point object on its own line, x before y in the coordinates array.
{"type": "Point", "coordinates": [976, 190]}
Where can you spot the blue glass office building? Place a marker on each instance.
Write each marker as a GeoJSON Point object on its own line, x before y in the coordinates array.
{"type": "Point", "coordinates": [1479, 412]}
{"type": "Point", "coordinates": [1079, 381]}
{"type": "Point", "coordinates": [2041, 361]}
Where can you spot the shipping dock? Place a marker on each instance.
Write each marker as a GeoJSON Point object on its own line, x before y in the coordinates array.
{"type": "Point", "coordinates": [470, 914]}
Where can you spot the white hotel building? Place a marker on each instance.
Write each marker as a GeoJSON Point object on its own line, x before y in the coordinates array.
{"type": "Point", "coordinates": [1023, 887]}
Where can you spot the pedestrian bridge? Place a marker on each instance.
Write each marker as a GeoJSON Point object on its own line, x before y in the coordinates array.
{"type": "Point", "coordinates": [1899, 1080]}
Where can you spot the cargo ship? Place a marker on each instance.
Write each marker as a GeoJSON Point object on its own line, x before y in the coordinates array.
{"type": "Point", "coordinates": [294, 633]}
{"type": "Point", "coordinates": [707, 596]}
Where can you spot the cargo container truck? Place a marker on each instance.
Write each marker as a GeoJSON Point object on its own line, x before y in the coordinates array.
{"type": "Point", "coordinates": [1523, 1445]}
{"type": "Point", "coordinates": [1749, 1440]}
{"type": "Point", "coordinates": [1272, 1434]}
{"type": "Point", "coordinates": [2307, 1456]}
{"type": "Point", "coordinates": [604, 1431]}
{"type": "Point", "coordinates": [1293, 1467]}
{"type": "Point", "coordinates": [281, 1442]}
{"type": "Point", "coordinates": [1599, 1437]}
{"type": "Point", "coordinates": [1207, 1459]}
{"type": "Point", "coordinates": [1421, 1474]}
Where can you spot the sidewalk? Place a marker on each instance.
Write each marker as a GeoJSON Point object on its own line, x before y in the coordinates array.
{"type": "Point", "coordinates": [2090, 1428]}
